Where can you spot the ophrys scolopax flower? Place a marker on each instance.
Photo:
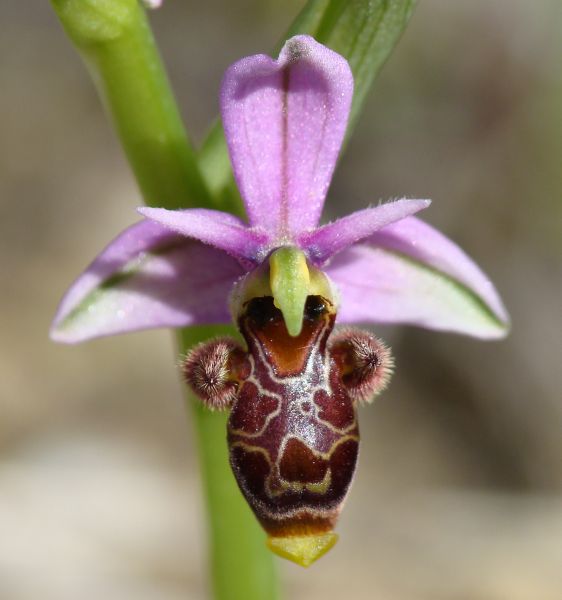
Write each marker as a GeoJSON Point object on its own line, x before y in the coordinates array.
{"type": "Point", "coordinates": [293, 390]}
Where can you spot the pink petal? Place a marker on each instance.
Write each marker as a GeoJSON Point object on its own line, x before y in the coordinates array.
{"type": "Point", "coordinates": [410, 273]}
{"type": "Point", "coordinates": [284, 122]}
{"type": "Point", "coordinates": [147, 277]}
{"type": "Point", "coordinates": [219, 229]}
{"type": "Point", "coordinates": [323, 243]}
{"type": "Point", "coordinates": [413, 237]}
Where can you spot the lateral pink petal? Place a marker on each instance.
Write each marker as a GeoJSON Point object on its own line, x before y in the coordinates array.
{"type": "Point", "coordinates": [284, 123]}
{"type": "Point", "coordinates": [219, 229]}
{"type": "Point", "coordinates": [148, 277]}
{"type": "Point", "coordinates": [324, 242]}
{"type": "Point", "coordinates": [410, 273]}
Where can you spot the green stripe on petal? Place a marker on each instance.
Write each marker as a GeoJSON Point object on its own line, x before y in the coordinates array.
{"type": "Point", "coordinates": [388, 287]}
{"type": "Point", "coordinates": [148, 277]}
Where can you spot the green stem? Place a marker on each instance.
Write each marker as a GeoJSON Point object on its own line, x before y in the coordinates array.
{"type": "Point", "coordinates": [114, 38]}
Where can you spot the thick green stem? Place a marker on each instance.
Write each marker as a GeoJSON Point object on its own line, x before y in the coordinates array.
{"type": "Point", "coordinates": [114, 38]}
{"type": "Point", "coordinates": [241, 566]}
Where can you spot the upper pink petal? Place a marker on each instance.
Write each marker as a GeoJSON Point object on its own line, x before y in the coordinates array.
{"type": "Point", "coordinates": [148, 277]}
{"type": "Point", "coordinates": [324, 242]}
{"type": "Point", "coordinates": [284, 122]}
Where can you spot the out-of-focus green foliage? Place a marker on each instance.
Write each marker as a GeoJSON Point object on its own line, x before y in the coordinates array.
{"type": "Point", "coordinates": [115, 40]}
{"type": "Point", "coordinates": [364, 31]}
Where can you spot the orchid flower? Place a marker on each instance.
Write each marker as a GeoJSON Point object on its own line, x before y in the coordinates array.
{"type": "Point", "coordinates": [283, 279]}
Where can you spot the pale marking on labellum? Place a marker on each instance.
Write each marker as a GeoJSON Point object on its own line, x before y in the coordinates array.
{"type": "Point", "coordinates": [263, 392]}
{"type": "Point", "coordinates": [307, 394]}
{"type": "Point", "coordinates": [316, 488]}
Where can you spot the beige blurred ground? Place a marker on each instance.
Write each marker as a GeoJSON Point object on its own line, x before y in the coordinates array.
{"type": "Point", "coordinates": [458, 494]}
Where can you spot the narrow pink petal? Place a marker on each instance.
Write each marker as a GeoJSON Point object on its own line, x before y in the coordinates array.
{"type": "Point", "coordinates": [221, 230]}
{"type": "Point", "coordinates": [424, 280]}
{"type": "Point", "coordinates": [284, 122]}
{"type": "Point", "coordinates": [147, 277]}
{"type": "Point", "coordinates": [323, 243]}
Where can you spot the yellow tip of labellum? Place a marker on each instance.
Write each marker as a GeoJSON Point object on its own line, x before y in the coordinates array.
{"type": "Point", "coordinates": [289, 279]}
{"type": "Point", "coordinates": [302, 549]}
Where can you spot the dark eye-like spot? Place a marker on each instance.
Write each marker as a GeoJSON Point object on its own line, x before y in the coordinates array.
{"type": "Point", "coordinates": [315, 307]}
{"type": "Point", "coordinates": [262, 311]}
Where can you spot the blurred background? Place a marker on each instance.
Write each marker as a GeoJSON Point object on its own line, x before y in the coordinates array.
{"type": "Point", "coordinates": [459, 489]}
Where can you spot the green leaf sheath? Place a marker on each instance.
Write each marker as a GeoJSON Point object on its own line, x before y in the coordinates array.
{"type": "Point", "coordinates": [364, 31]}
{"type": "Point", "coordinates": [116, 43]}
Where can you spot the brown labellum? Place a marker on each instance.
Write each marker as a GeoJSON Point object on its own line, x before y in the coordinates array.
{"type": "Point", "coordinates": [292, 434]}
